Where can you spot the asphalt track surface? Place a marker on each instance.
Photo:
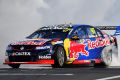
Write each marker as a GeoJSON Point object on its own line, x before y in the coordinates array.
{"type": "Point", "coordinates": [46, 72]}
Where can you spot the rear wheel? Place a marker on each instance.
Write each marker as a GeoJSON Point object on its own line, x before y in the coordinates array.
{"type": "Point", "coordinates": [106, 56]}
{"type": "Point", "coordinates": [14, 65]}
{"type": "Point", "coordinates": [60, 58]}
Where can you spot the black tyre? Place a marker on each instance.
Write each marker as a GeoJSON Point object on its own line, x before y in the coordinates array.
{"type": "Point", "coordinates": [106, 56]}
{"type": "Point", "coordinates": [59, 57]}
{"type": "Point", "coordinates": [14, 65]}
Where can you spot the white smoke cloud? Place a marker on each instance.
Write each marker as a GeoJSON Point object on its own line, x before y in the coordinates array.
{"type": "Point", "coordinates": [18, 18]}
{"type": "Point", "coordinates": [77, 11]}
{"type": "Point", "coordinates": [112, 16]}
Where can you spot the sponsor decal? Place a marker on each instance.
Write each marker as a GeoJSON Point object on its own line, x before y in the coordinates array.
{"type": "Point", "coordinates": [31, 42]}
{"type": "Point", "coordinates": [45, 57]}
{"type": "Point", "coordinates": [21, 54]}
{"type": "Point", "coordinates": [77, 48]}
{"type": "Point", "coordinates": [97, 43]}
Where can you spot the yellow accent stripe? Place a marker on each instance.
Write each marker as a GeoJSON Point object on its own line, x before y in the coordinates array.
{"type": "Point", "coordinates": [67, 46]}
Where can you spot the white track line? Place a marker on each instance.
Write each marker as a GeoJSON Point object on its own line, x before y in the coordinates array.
{"type": "Point", "coordinates": [23, 74]}
{"type": "Point", "coordinates": [2, 70]}
{"type": "Point", "coordinates": [61, 74]}
{"type": "Point", "coordinates": [20, 74]}
{"type": "Point", "coordinates": [108, 78]}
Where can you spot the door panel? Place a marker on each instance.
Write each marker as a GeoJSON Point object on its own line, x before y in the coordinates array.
{"type": "Point", "coordinates": [87, 47]}
{"type": "Point", "coordinates": [93, 43]}
{"type": "Point", "coordinates": [78, 47]}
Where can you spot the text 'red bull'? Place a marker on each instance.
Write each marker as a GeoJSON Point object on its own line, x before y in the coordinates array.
{"type": "Point", "coordinates": [98, 43]}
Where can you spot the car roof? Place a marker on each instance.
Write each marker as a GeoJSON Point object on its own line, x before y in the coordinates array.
{"type": "Point", "coordinates": [62, 26]}
{"type": "Point", "coordinates": [79, 25]}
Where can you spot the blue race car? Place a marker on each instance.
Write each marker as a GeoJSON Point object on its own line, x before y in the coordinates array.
{"type": "Point", "coordinates": [60, 45]}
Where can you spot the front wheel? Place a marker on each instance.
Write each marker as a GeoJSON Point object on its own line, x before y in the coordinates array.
{"type": "Point", "coordinates": [59, 58]}
{"type": "Point", "coordinates": [14, 65]}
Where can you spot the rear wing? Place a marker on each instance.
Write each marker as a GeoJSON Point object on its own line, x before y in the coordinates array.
{"type": "Point", "coordinates": [117, 31]}
{"type": "Point", "coordinates": [116, 28]}
{"type": "Point", "coordinates": [107, 27]}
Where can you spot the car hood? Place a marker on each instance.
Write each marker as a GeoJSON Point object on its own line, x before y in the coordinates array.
{"type": "Point", "coordinates": [31, 42]}
{"type": "Point", "coordinates": [38, 41]}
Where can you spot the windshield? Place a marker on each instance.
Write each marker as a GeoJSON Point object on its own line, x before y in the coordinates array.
{"type": "Point", "coordinates": [48, 34]}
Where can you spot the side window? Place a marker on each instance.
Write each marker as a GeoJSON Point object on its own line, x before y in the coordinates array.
{"type": "Point", "coordinates": [99, 33]}
{"type": "Point", "coordinates": [44, 34]}
{"type": "Point", "coordinates": [35, 36]}
{"type": "Point", "coordinates": [91, 32]}
{"type": "Point", "coordinates": [80, 32]}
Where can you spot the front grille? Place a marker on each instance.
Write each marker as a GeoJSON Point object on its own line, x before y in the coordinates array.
{"type": "Point", "coordinates": [22, 58]}
{"type": "Point", "coordinates": [23, 47]}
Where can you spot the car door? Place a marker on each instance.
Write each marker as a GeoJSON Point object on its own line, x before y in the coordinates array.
{"type": "Point", "coordinates": [78, 44]}
{"type": "Point", "coordinates": [103, 42]}
{"type": "Point", "coordinates": [93, 42]}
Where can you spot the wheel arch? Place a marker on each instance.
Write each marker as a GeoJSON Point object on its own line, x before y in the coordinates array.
{"type": "Point", "coordinates": [56, 49]}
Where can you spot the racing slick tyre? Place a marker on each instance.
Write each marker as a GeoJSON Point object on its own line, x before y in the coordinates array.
{"type": "Point", "coordinates": [59, 57]}
{"type": "Point", "coordinates": [14, 65]}
{"type": "Point", "coordinates": [106, 56]}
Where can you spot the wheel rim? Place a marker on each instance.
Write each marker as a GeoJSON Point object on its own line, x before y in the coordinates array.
{"type": "Point", "coordinates": [60, 55]}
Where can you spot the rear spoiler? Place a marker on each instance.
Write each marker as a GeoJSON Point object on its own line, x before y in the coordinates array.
{"type": "Point", "coordinates": [116, 28]}
{"type": "Point", "coordinates": [107, 27]}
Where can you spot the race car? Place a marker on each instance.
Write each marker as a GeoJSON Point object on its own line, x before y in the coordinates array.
{"type": "Point", "coordinates": [60, 45]}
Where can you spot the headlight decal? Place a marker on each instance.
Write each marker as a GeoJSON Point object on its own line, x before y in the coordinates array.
{"type": "Point", "coordinates": [42, 47]}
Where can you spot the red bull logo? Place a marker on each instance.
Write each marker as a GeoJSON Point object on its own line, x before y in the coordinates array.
{"type": "Point", "coordinates": [76, 49]}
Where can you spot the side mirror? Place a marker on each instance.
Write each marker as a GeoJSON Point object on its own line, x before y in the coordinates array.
{"type": "Point", "coordinates": [75, 37]}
